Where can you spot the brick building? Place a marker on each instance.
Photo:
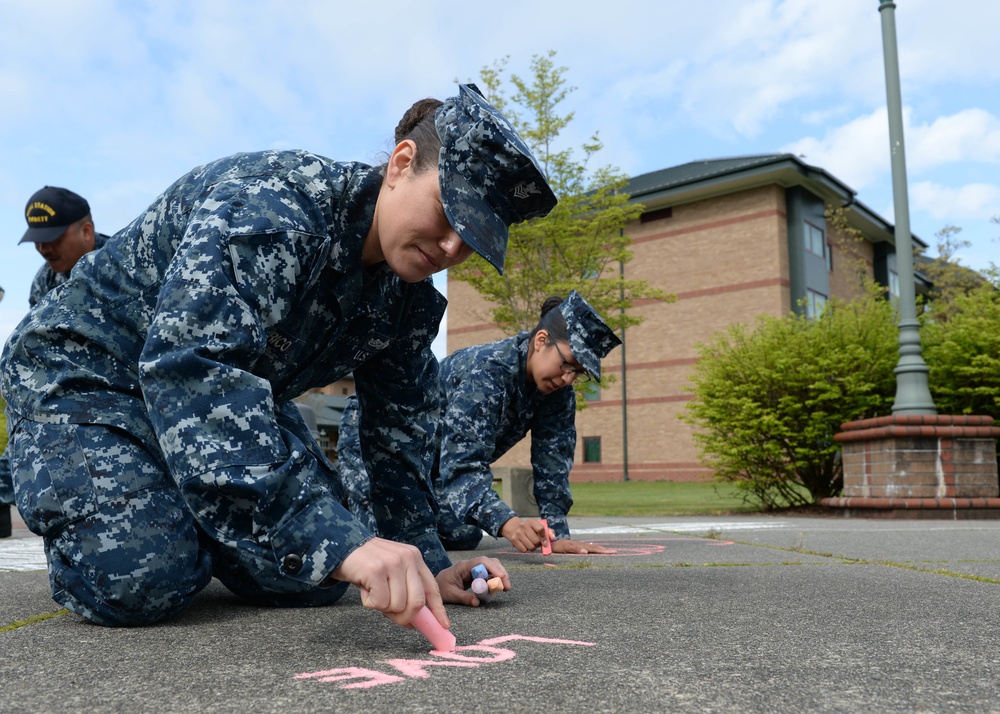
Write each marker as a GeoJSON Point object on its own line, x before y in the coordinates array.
{"type": "Point", "coordinates": [732, 239]}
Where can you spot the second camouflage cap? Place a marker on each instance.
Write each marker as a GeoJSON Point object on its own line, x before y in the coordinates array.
{"type": "Point", "coordinates": [590, 338]}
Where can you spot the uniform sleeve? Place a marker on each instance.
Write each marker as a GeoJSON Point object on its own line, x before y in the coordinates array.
{"type": "Point", "coordinates": [399, 400]}
{"type": "Point", "coordinates": [470, 425]}
{"type": "Point", "coordinates": [244, 470]}
{"type": "Point", "coordinates": [351, 465]}
{"type": "Point", "coordinates": [553, 442]}
{"type": "Point", "coordinates": [40, 285]}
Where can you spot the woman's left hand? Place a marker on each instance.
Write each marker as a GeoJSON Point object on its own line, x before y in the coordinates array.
{"type": "Point", "coordinates": [575, 547]}
{"type": "Point", "coordinates": [453, 581]}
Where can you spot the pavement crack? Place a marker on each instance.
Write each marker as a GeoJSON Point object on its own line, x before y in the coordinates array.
{"type": "Point", "coordinates": [848, 560]}
{"type": "Point", "coordinates": [33, 619]}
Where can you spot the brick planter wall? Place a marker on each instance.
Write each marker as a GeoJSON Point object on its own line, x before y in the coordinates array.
{"type": "Point", "coordinates": [919, 462]}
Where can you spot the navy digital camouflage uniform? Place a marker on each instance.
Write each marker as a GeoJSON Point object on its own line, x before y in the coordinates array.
{"type": "Point", "coordinates": [6, 481]}
{"type": "Point", "coordinates": [154, 439]}
{"type": "Point", "coordinates": [491, 406]}
{"type": "Point", "coordinates": [488, 406]}
{"type": "Point", "coordinates": [44, 281]}
{"type": "Point", "coordinates": [351, 466]}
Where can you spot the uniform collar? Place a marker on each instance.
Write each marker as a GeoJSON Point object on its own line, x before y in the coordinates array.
{"type": "Point", "coordinates": [353, 214]}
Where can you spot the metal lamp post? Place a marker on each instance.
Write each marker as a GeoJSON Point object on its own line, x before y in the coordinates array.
{"type": "Point", "coordinates": [621, 288]}
{"type": "Point", "coordinates": [913, 394]}
{"type": "Point", "coordinates": [915, 460]}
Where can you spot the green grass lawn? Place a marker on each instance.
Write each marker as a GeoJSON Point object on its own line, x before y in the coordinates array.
{"type": "Point", "coordinates": [657, 498]}
{"type": "Point", "coordinates": [633, 498]}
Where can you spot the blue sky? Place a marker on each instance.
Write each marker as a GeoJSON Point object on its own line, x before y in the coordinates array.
{"type": "Point", "coordinates": [115, 100]}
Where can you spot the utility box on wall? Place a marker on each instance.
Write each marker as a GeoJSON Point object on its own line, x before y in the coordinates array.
{"type": "Point", "coordinates": [518, 489]}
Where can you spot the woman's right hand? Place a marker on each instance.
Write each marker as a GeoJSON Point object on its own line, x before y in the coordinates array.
{"type": "Point", "coordinates": [394, 580]}
{"type": "Point", "coordinates": [525, 535]}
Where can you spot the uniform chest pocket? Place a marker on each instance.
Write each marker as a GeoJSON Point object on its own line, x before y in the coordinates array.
{"type": "Point", "coordinates": [367, 345]}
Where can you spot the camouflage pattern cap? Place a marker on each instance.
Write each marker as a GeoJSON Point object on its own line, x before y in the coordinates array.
{"type": "Point", "coordinates": [590, 338]}
{"type": "Point", "coordinates": [489, 178]}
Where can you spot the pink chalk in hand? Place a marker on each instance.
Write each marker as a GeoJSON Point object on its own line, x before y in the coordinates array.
{"type": "Point", "coordinates": [482, 589]}
{"type": "Point", "coordinates": [429, 627]}
{"type": "Point", "coordinates": [546, 543]}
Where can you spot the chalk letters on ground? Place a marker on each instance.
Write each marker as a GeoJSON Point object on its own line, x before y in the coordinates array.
{"type": "Point", "coordinates": [469, 656]}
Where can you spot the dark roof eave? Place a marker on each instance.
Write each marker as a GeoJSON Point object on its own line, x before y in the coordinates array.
{"type": "Point", "coordinates": [874, 226]}
{"type": "Point", "coordinates": [657, 189]}
{"type": "Point", "coordinates": [783, 169]}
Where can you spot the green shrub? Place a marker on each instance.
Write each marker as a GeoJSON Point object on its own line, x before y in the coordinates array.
{"type": "Point", "coordinates": [768, 401]}
{"type": "Point", "coordinates": [963, 354]}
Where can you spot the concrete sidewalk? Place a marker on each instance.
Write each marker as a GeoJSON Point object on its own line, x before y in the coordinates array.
{"type": "Point", "coordinates": [727, 614]}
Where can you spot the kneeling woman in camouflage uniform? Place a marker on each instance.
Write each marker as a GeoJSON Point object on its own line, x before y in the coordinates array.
{"type": "Point", "coordinates": [493, 396]}
{"type": "Point", "coordinates": [154, 442]}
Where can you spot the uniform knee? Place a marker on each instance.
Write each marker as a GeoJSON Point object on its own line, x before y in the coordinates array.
{"type": "Point", "coordinates": [464, 538]}
{"type": "Point", "coordinates": [130, 604]}
{"type": "Point", "coordinates": [107, 591]}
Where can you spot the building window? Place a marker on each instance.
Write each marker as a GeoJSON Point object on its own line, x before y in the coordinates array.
{"type": "Point", "coordinates": [894, 284]}
{"type": "Point", "coordinates": [328, 441]}
{"type": "Point", "coordinates": [815, 304]}
{"type": "Point", "coordinates": [650, 216]}
{"type": "Point", "coordinates": [816, 244]}
{"type": "Point", "coordinates": [591, 449]}
{"type": "Point", "coordinates": [591, 391]}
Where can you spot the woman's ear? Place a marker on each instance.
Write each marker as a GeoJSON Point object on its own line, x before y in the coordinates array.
{"type": "Point", "coordinates": [402, 160]}
{"type": "Point", "coordinates": [89, 236]}
{"type": "Point", "coordinates": [541, 337]}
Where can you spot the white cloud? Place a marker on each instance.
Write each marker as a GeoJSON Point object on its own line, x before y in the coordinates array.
{"type": "Point", "coordinates": [970, 135]}
{"type": "Point", "coordinates": [941, 43]}
{"type": "Point", "coordinates": [765, 58]}
{"type": "Point", "coordinates": [117, 99]}
{"type": "Point", "coordinates": [856, 152]}
{"type": "Point", "coordinates": [975, 201]}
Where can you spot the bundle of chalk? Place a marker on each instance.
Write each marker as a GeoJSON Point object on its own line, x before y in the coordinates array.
{"type": "Point", "coordinates": [483, 585]}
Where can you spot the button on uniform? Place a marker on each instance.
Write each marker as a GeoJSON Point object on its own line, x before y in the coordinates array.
{"type": "Point", "coordinates": [292, 564]}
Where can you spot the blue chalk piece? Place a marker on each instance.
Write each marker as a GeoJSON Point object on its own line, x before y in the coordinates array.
{"type": "Point", "coordinates": [479, 571]}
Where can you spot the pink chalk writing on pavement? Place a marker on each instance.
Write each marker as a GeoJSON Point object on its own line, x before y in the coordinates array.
{"type": "Point", "coordinates": [417, 668]}
{"type": "Point", "coordinates": [626, 547]}
{"type": "Point", "coordinates": [631, 549]}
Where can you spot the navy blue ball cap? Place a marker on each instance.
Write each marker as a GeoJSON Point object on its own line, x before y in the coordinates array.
{"type": "Point", "coordinates": [50, 211]}
{"type": "Point", "coordinates": [590, 337]}
{"type": "Point", "coordinates": [489, 177]}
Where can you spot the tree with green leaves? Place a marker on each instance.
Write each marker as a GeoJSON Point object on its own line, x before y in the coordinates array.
{"type": "Point", "coordinates": [769, 399]}
{"type": "Point", "coordinates": [581, 243]}
{"type": "Point", "coordinates": [949, 279]}
{"type": "Point", "coordinates": [963, 353]}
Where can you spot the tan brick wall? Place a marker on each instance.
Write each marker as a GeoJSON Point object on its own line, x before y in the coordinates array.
{"type": "Point", "coordinates": [726, 259]}
{"type": "Point", "coordinates": [468, 318]}
{"type": "Point", "coordinates": [340, 388]}
{"type": "Point", "coordinates": [920, 467]}
{"type": "Point", "coordinates": [850, 257]}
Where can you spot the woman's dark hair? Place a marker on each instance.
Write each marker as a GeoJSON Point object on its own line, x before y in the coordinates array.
{"type": "Point", "coordinates": [552, 320]}
{"type": "Point", "coordinates": [418, 125]}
